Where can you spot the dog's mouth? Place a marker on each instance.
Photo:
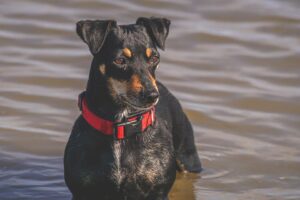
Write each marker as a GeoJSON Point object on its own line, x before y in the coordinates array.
{"type": "Point", "coordinates": [136, 107]}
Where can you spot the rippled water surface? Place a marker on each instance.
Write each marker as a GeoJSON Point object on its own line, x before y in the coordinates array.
{"type": "Point", "coordinates": [233, 64]}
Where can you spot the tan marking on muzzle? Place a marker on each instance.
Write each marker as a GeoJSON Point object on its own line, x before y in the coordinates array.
{"type": "Point", "coordinates": [127, 52]}
{"type": "Point", "coordinates": [148, 52]}
{"type": "Point", "coordinates": [135, 83]}
{"type": "Point", "coordinates": [102, 68]}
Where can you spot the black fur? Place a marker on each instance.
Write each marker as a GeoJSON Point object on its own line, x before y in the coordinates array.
{"type": "Point", "coordinates": [138, 168]}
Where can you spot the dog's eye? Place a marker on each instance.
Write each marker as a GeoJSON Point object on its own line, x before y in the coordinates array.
{"type": "Point", "coordinates": [154, 59]}
{"type": "Point", "coordinates": [120, 61]}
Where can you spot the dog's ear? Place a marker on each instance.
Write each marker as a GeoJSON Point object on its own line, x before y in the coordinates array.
{"type": "Point", "coordinates": [94, 33]}
{"type": "Point", "coordinates": [157, 28]}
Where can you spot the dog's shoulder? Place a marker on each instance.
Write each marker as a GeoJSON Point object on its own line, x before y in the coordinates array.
{"type": "Point", "coordinates": [166, 97]}
{"type": "Point", "coordinates": [168, 106]}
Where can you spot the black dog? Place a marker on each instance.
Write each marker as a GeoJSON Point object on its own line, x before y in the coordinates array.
{"type": "Point", "coordinates": [127, 145]}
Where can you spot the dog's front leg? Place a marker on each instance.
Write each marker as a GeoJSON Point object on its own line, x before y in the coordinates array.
{"type": "Point", "coordinates": [183, 137]}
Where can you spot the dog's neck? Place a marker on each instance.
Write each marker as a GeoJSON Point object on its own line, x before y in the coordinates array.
{"type": "Point", "coordinates": [100, 101]}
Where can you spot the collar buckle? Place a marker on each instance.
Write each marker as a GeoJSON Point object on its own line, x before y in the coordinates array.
{"type": "Point", "coordinates": [130, 121]}
{"type": "Point", "coordinates": [127, 128]}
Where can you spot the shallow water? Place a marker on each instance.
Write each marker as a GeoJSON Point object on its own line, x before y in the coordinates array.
{"type": "Point", "coordinates": [234, 66]}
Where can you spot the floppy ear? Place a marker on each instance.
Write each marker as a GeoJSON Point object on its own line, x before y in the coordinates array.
{"type": "Point", "coordinates": [157, 28]}
{"type": "Point", "coordinates": [93, 33]}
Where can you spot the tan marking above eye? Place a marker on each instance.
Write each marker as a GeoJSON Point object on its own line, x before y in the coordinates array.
{"type": "Point", "coordinates": [148, 52]}
{"type": "Point", "coordinates": [127, 52]}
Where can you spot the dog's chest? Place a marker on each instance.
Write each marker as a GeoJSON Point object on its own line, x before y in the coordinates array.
{"type": "Point", "coordinates": [139, 163]}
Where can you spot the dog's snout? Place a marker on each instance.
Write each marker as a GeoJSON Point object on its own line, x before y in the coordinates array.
{"type": "Point", "coordinates": [152, 96]}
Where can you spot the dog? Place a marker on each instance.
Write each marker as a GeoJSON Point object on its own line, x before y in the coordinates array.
{"type": "Point", "coordinates": [132, 135]}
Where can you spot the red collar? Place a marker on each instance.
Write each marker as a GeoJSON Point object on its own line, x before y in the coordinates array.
{"type": "Point", "coordinates": [120, 130]}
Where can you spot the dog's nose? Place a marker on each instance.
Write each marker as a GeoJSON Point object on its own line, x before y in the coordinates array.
{"type": "Point", "coordinates": [152, 97]}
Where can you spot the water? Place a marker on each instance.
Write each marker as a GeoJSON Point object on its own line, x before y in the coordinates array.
{"type": "Point", "coordinates": [234, 66]}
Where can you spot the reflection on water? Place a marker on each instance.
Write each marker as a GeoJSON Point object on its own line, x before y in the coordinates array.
{"type": "Point", "coordinates": [234, 67]}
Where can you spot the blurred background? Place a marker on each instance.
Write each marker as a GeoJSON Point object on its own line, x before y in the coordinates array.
{"type": "Point", "coordinates": [233, 64]}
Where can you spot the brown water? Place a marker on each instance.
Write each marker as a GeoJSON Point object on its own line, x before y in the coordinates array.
{"type": "Point", "coordinates": [233, 64]}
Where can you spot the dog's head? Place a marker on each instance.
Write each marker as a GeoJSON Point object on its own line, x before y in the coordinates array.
{"type": "Point", "coordinates": [126, 57]}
